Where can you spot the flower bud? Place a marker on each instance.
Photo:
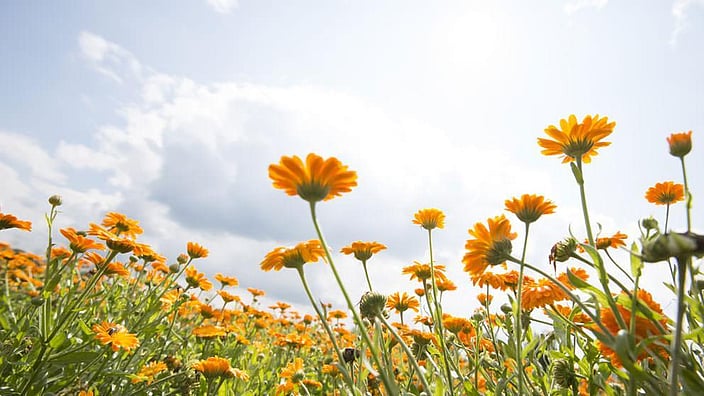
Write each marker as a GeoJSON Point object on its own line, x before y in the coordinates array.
{"type": "Point", "coordinates": [650, 224]}
{"type": "Point", "coordinates": [673, 244]}
{"type": "Point", "coordinates": [174, 268]}
{"type": "Point", "coordinates": [564, 374]}
{"type": "Point", "coordinates": [562, 250]}
{"type": "Point", "coordinates": [680, 143]}
{"type": "Point", "coordinates": [55, 200]}
{"type": "Point", "coordinates": [372, 305]}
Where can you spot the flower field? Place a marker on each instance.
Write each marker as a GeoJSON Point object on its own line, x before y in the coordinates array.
{"type": "Point", "coordinates": [101, 313]}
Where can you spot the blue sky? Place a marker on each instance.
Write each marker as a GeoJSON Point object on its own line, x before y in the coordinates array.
{"type": "Point", "coordinates": [170, 112]}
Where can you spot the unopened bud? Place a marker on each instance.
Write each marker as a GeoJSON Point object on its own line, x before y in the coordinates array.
{"type": "Point", "coordinates": [55, 200]}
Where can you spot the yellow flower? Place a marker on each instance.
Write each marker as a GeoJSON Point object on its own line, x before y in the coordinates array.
{"type": "Point", "coordinates": [317, 180]}
{"type": "Point", "coordinates": [149, 371]}
{"type": "Point", "coordinates": [79, 243]}
{"type": "Point", "coordinates": [302, 253]}
{"type": "Point", "coordinates": [422, 272]}
{"type": "Point", "coordinates": [429, 218]}
{"type": "Point", "coordinates": [529, 208]}
{"type": "Point", "coordinates": [209, 331]}
{"type": "Point", "coordinates": [577, 140]}
{"type": "Point", "coordinates": [363, 251]}
{"type": "Point", "coordinates": [196, 251]}
{"type": "Point", "coordinates": [197, 279]}
{"type": "Point", "coordinates": [115, 335]}
{"type": "Point", "coordinates": [120, 224]}
{"type": "Point", "coordinates": [402, 302]}
{"type": "Point", "coordinates": [226, 280]}
{"type": "Point", "coordinates": [490, 246]}
{"type": "Point", "coordinates": [9, 221]}
{"type": "Point", "coordinates": [665, 193]}
{"type": "Point", "coordinates": [680, 143]}
{"type": "Point", "coordinates": [293, 371]}
{"type": "Point", "coordinates": [215, 367]}
{"type": "Point", "coordinates": [614, 241]}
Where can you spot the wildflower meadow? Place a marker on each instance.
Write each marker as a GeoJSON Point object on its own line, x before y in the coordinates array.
{"type": "Point", "coordinates": [100, 312]}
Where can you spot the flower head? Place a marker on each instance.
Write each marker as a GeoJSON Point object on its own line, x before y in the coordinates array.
{"type": "Point", "coordinates": [79, 243]}
{"type": "Point", "coordinates": [577, 140]}
{"type": "Point", "coordinates": [197, 279]}
{"type": "Point", "coordinates": [196, 251]}
{"type": "Point", "coordinates": [491, 245]}
{"type": "Point", "coordinates": [614, 241]}
{"type": "Point", "coordinates": [10, 221]}
{"type": "Point", "coordinates": [429, 218]}
{"type": "Point", "coordinates": [115, 335]}
{"type": "Point", "coordinates": [214, 367]}
{"type": "Point", "coordinates": [665, 193]}
{"type": "Point", "coordinates": [680, 143]}
{"type": "Point", "coordinates": [149, 371]}
{"type": "Point", "coordinates": [295, 257]}
{"type": "Point", "coordinates": [401, 302]}
{"type": "Point", "coordinates": [529, 208]}
{"type": "Point", "coordinates": [120, 224]}
{"type": "Point", "coordinates": [363, 251]}
{"type": "Point", "coordinates": [317, 180]}
{"type": "Point", "coordinates": [422, 272]}
{"type": "Point", "coordinates": [226, 280]}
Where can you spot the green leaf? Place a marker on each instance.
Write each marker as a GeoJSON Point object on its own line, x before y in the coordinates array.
{"type": "Point", "coordinates": [84, 327]}
{"type": "Point", "coordinates": [57, 341]}
{"type": "Point", "coordinates": [636, 262]}
{"type": "Point", "coordinates": [75, 357]}
{"type": "Point", "coordinates": [577, 173]}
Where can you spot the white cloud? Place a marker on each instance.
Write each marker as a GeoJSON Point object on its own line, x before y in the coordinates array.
{"type": "Point", "coordinates": [680, 9]}
{"type": "Point", "coordinates": [108, 58]}
{"type": "Point", "coordinates": [25, 152]}
{"type": "Point", "coordinates": [573, 6]}
{"type": "Point", "coordinates": [223, 6]}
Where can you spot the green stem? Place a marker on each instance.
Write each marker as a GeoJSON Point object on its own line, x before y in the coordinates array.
{"type": "Point", "coordinates": [406, 350]}
{"type": "Point", "coordinates": [518, 311]}
{"type": "Point", "coordinates": [438, 316]}
{"type": "Point", "coordinates": [688, 196]}
{"type": "Point", "coordinates": [583, 197]}
{"type": "Point", "coordinates": [390, 387]}
{"type": "Point", "coordinates": [326, 326]}
{"type": "Point", "coordinates": [675, 347]}
{"type": "Point", "coordinates": [366, 274]}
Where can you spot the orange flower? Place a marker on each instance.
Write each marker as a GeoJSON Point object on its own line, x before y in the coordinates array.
{"type": "Point", "coordinates": [541, 293]}
{"type": "Point", "coordinates": [429, 218]}
{"type": "Point", "coordinates": [115, 335]}
{"type": "Point", "coordinates": [444, 284]}
{"type": "Point", "coordinates": [363, 251]}
{"type": "Point", "coordinates": [9, 221]}
{"type": "Point", "coordinates": [455, 324]}
{"type": "Point", "coordinates": [483, 299]}
{"type": "Point", "coordinates": [490, 246]}
{"type": "Point", "coordinates": [148, 372]}
{"type": "Point", "coordinates": [680, 143]}
{"type": "Point", "coordinates": [402, 302]}
{"type": "Point", "coordinates": [226, 280]}
{"type": "Point", "coordinates": [214, 367]}
{"type": "Point", "coordinates": [646, 332]}
{"type": "Point", "coordinates": [317, 180]}
{"type": "Point", "coordinates": [227, 297]}
{"type": "Point", "coordinates": [293, 371]}
{"type": "Point", "coordinates": [529, 208]}
{"type": "Point", "coordinates": [577, 140]}
{"type": "Point", "coordinates": [665, 193]}
{"type": "Point", "coordinates": [79, 243]}
{"type": "Point", "coordinates": [121, 225]}
{"type": "Point", "coordinates": [296, 257]}
{"type": "Point", "coordinates": [255, 292]}
{"type": "Point", "coordinates": [613, 241]}
{"type": "Point", "coordinates": [197, 279]}
{"type": "Point", "coordinates": [196, 251]}
{"type": "Point", "coordinates": [422, 273]}
{"type": "Point", "coordinates": [209, 331]}
{"type": "Point", "coordinates": [116, 268]}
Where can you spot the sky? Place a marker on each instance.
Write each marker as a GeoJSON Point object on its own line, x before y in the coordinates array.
{"type": "Point", "coordinates": [171, 112]}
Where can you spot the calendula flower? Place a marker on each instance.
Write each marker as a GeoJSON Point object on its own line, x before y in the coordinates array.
{"type": "Point", "coordinates": [483, 298]}
{"type": "Point", "coordinates": [577, 140]}
{"type": "Point", "coordinates": [646, 331]}
{"type": "Point", "coordinates": [541, 293]}
{"type": "Point", "coordinates": [294, 371]}
{"type": "Point", "coordinates": [445, 284]}
{"type": "Point", "coordinates": [295, 257]}
{"type": "Point", "coordinates": [116, 268]}
{"type": "Point", "coordinates": [255, 292]}
{"type": "Point", "coordinates": [226, 280]}
{"type": "Point", "coordinates": [197, 279]}
{"type": "Point", "coordinates": [209, 331]}
{"type": "Point", "coordinates": [8, 221]}
{"type": "Point", "coordinates": [680, 143]}
{"type": "Point", "coordinates": [422, 272]}
{"type": "Point", "coordinates": [529, 208]}
{"type": "Point", "coordinates": [614, 241]}
{"type": "Point", "coordinates": [121, 225]}
{"type": "Point", "coordinates": [429, 218]}
{"type": "Point", "coordinates": [401, 302]}
{"type": "Point", "coordinates": [455, 324]}
{"type": "Point", "coordinates": [79, 243]}
{"type": "Point", "coordinates": [149, 371]}
{"type": "Point", "coordinates": [491, 245]}
{"type": "Point", "coordinates": [317, 180]}
{"type": "Point", "coordinates": [115, 335]}
{"type": "Point", "coordinates": [196, 251]}
{"type": "Point", "coordinates": [665, 193]}
{"type": "Point", "coordinates": [363, 251]}
{"type": "Point", "coordinates": [420, 337]}
{"type": "Point", "coordinates": [227, 297]}
{"type": "Point", "coordinates": [214, 367]}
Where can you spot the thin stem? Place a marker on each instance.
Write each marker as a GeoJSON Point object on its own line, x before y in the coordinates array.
{"type": "Point", "coordinates": [583, 197]}
{"type": "Point", "coordinates": [688, 196]}
{"type": "Point", "coordinates": [407, 350]}
{"type": "Point", "coordinates": [358, 321]}
{"type": "Point", "coordinates": [438, 315]}
{"type": "Point", "coordinates": [675, 347]}
{"type": "Point", "coordinates": [366, 274]}
{"type": "Point", "coordinates": [323, 321]}
{"type": "Point", "coordinates": [517, 311]}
